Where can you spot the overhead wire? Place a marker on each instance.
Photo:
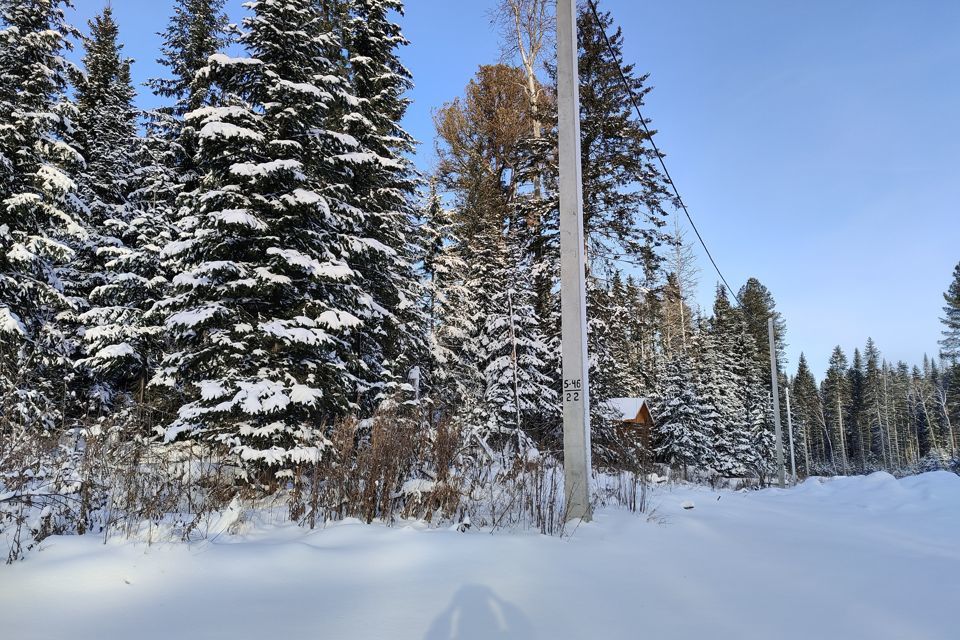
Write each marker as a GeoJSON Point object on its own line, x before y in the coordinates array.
{"type": "Point", "coordinates": [666, 172]}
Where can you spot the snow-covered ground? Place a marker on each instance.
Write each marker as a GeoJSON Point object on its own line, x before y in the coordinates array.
{"type": "Point", "coordinates": [848, 558]}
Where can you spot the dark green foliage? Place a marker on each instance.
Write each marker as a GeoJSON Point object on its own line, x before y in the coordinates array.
{"type": "Point", "coordinates": [39, 210]}
{"type": "Point", "coordinates": [683, 436]}
{"type": "Point", "coordinates": [758, 306]}
{"type": "Point", "coordinates": [382, 184]}
{"type": "Point", "coordinates": [266, 306]}
{"type": "Point", "coordinates": [950, 343]}
{"type": "Point", "coordinates": [114, 278]}
{"type": "Point", "coordinates": [625, 192]}
{"type": "Point", "coordinates": [196, 30]}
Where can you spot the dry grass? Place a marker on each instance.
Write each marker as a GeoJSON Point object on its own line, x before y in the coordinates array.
{"type": "Point", "coordinates": [99, 480]}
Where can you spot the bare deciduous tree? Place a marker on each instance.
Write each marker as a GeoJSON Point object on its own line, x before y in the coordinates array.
{"type": "Point", "coordinates": [681, 283]}
{"type": "Point", "coordinates": [527, 27]}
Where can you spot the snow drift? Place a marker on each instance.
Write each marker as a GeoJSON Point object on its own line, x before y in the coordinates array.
{"type": "Point", "coordinates": [865, 557]}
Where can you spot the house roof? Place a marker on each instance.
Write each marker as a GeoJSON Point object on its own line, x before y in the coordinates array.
{"type": "Point", "coordinates": [627, 408]}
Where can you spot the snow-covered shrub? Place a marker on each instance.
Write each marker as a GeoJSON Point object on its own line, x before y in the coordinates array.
{"type": "Point", "coordinates": [94, 481]}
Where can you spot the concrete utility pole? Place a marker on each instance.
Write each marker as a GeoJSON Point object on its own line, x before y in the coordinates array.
{"type": "Point", "coordinates": [793, 462]}
{"type": "Point", "coordinates": [774, 378]}
{"type": "Point", "coordinates": [573, 290]}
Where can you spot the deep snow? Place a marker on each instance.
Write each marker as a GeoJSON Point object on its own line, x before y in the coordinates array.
{"type": "Point", "coordinates": [869, 557]}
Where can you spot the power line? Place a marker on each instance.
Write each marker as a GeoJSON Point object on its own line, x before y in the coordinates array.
{"type": "Point", "coordinates": [646, 129]}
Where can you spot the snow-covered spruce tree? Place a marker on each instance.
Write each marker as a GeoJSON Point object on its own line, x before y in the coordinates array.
{"type": "Point", "coordinates": [758, 402]}
{"type": "Point", "coordinates": [609, 378]}
{"type": "Point", "coordinates": [166, 184]}
{"type": "Point", "coordinates": [722, 370]}
{"type": "Point", "coordinates": [452, 376]}
{"type": "Point", "coordinates": [950, 347]}
{"type": "Point", "coordinates": [265, 303]}
{"type": "Point", "coordinates": [856, 418]}
{"type": "Point", "coordinates": [382, 190]}
{"type": "Point", "coordinates": [196, 31]}
{"type": "Point", "coordinates": [479, 144]}
{"type": "Point", "coordinates": [835, 391]}
{"type": "Point", "coordinates": [700, 354]}
{"type": "Point", "coordinates": [115, 280]}
{"type": "Point", "coordinates": [681, 437]}
{"type": "Point", "coordinates": [808, 418]}
{"type": "Point", "coordinates": [950, 342]}
{"type": "Point", "coordinates": [873, 401]}
{"type": "Point", "coordinates": [753, 429]}
{"type": "Point", "coordinates": [536, 221]}
{"type": "Point", "coordinates": [757, 306]}
{"type": "Point", "coordinates": [716, 396]}
{"type": "Point", "coordinates": [106, 120]}
{"type": "Point", "coordinates": [38, 211]}
{"type": "Point", "coordinates": [40, 221]}
{"type": "Point", "coordinates": [510, 349]}
{"type": "Point", "coordinates": [623, 347]}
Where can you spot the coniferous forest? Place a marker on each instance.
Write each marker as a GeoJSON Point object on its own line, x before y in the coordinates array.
{"type": "Point", "coordinates": [253, 295]}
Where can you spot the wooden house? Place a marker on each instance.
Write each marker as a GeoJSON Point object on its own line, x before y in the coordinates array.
{"type": "Point", "coordinates": [634, 418]}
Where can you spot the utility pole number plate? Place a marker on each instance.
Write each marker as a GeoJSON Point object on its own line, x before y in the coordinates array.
{"type": "Point", "coordinates": [572, 390]}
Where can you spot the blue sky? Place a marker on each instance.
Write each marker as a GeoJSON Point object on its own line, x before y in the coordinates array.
{"type": "Point", "coordinates": [816, 143]}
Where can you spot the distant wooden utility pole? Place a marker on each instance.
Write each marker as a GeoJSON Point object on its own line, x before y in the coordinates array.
{"type": "Point", "coordinates": [793, 463]}
{"type": "Point", "coordinates": [573, 290]}
{"type": "Point", "coordinates": [774, 378]}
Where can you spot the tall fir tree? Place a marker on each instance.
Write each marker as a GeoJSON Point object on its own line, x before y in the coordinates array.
{"type": "Point", "coordinates": [757, 419]}
{"type": "Point", "coordinates": [758, 306]}
{"type": "Point", "coordinates": [625, 192]}
{"type": "Point", "coordinates": [835, 390]}
{"type": "Point", "coordinates": [682, 435]}
{"type": "Point", "coordinates": [854, 418]}
{"type": "Point", "coordinates": [106, 123]}
{"type": "Point", "coordinates": [722, 383]}
{"type": "Point", "coordinates": [451, 372]}
{"type": "Point", "coordinates": [266, 305]}
{"type": "Point", "coordinates": [383, 187]}
{"type": "Point", "coordinates": [197, 29]}
{"type": "Point", "coordinates": [40, 212]}
{"type": "Point", "coordinates": [950, 342]}
{"type": "Point", "coordinates": [518, 397]}
{"type": "Point", "coordinates": [115, 357]}
{"type": "Point", "coordinates": [879, 449]}
{"type": "Point", "coordinates": [950, 348]}
{"type": "Point", "coordinates": [808, 417]}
